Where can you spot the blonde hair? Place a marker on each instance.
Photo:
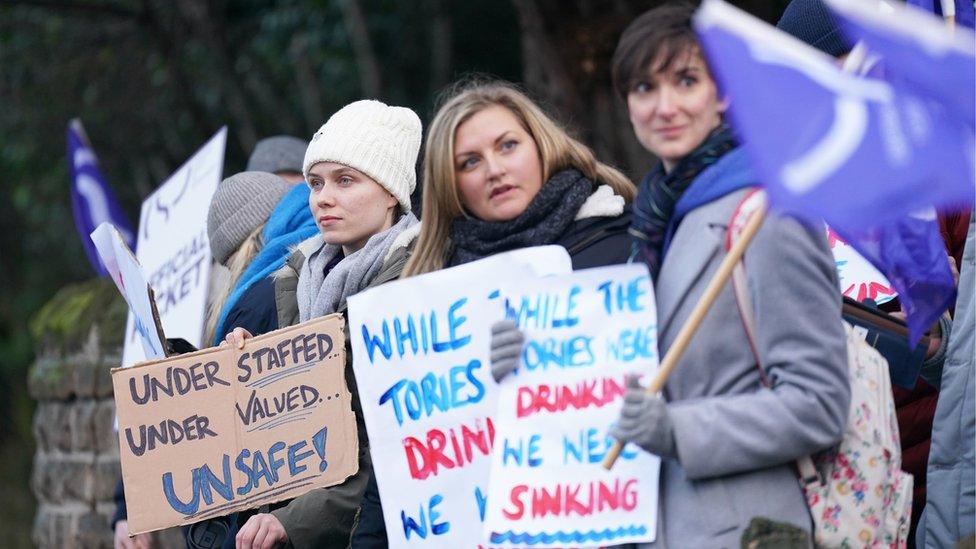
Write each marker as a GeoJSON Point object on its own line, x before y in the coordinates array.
{"type": "Point", "coordinates": [236, 263]}
{"type": "Point", "coordinates": [441, 202]}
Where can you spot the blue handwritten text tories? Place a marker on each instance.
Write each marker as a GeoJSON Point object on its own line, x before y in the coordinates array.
{"type": "Point", "coordinates": [433, 392]}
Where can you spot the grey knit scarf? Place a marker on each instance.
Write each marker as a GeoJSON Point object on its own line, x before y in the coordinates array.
{"type": "Point", "coordinates": [320, 293]}
{"type": "Point", "coordinates": [545, 219]}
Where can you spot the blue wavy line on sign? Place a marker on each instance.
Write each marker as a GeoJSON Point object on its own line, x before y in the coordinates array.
{"type": "Point", "coordinates": [288, 374]}
{"type": "Point", "coordinates": [268, 380]}
{"type": "Point", "coordinates": [576, 536]}
{"type": "Point", "coordinates": [274, 421]}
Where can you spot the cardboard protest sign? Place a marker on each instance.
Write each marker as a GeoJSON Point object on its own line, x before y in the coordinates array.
{"type": "Point", "coordinates": [420, 353]}
{"type": "Point", "coordinates": [585, 332]}
{"type": "Point", "coordinates": [220, 430]}
{"type": "Point", "coordinates": [125, 271]}
{"type": "Point", "coordinates": [859, 279]}
{"type": "Point", "coordinates": [173, 248]}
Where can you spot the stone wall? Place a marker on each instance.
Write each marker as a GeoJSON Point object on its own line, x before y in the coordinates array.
{"type": "Point", "coordinates": [76, 465]}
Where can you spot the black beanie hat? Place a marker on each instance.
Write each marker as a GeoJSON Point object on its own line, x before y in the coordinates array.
{"type": "Point", "coordinates": [811, 22]}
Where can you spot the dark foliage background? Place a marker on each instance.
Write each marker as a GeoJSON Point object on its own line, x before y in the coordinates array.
{"type": "Point", "coordinates": [152, 79]}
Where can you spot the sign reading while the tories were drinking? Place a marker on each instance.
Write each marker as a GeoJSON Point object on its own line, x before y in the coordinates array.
{"type": "Point", "coordinates": [585, 333]}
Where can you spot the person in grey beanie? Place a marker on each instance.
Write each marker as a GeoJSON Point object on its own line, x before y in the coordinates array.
{"type": "Point", "coordinates": [237, 225]}
{"type": "Point", "coordinates": [240, 205]}
{"type": "Point", "coordinates": [281, 155]}
{"type": "Point", "coordinates": [249, 223]}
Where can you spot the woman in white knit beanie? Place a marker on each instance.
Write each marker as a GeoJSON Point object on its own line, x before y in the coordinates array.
{"type": "Point", "coordinates": [360, 169]}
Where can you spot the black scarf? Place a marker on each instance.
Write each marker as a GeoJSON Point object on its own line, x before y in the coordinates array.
{"type": "Point", "coordinates": [546, 219]}
{"type": "Point", "coordinates": [660, 191]}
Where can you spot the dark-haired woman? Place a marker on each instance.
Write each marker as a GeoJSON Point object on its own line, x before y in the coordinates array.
{"type": "Point", "coordinates": [727, 443]}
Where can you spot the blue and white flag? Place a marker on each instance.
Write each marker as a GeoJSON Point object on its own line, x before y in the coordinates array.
{"type": "Point", "coordinates": [830, 144]}
{"type": "Point", "coordinates": [962, 10]}
{"type": "Point", "coordinates": [912, 255]}
{"type": "Point", "coordinates": [865, 155]}
{"type": "Point", "coordinates": [919, 52]}
{"type": "Point", "coordinates": [92, 199]}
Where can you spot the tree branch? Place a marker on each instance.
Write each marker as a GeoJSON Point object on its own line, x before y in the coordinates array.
{"type": "Point", "coordinates": [544, 70]}
{"type": "Point", "coordinates": [441, 45]}
{"type": "Point", "coordinates": [308, 86]}
{"type": "Point", "coordinates": [88, 7]}
{"type": "Point", "coordinates": [369, 66]}
{"type": "Point", "coordinates": [199, 15]}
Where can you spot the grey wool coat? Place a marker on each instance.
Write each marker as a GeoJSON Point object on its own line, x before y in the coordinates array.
{"type": "Point", "coordinates": [736, 440]}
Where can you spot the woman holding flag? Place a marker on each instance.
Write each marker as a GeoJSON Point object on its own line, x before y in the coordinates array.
{"type": "Point", "coordinates": [727, 442]}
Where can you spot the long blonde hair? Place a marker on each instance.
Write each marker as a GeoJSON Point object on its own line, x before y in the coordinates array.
{"type": "Point", "coordinates": [441, 202]}
{"type": "Point", "coordinates": [236, 264]}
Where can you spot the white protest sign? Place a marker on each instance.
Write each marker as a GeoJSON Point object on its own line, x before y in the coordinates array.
{"type": "Point", "coordinates": [104, 239]}
{"type": "Point", "coordinates": [173, 248]}
{"type": "Point", "coordinates": [131, 282]}
{"type": "Point", "coordinates": [420, 353]}
{"type": "Point", "coordinates": [585, 331]}
{"type": "Point", "coordinates": [859, 279]}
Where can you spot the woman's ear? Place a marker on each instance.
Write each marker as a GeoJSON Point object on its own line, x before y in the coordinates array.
{"type": "Point", "coordinates": [723, 105]}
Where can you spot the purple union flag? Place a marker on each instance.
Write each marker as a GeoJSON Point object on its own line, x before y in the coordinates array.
{"type": "Point", "coordinates": [92, 200]}
{"type": "Point", "coordinates": [863, 154]}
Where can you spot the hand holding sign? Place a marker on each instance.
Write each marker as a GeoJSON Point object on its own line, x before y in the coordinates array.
{"type": "Point", "coordinates": [220, 430]}
{"type": "Point", "coordinates": [644, 421]}
{"type": "Point", "coordinates": [421, 358]}
{"type": "Point", "coordinates": [585, 332]}
{"type": "Point", "coordinates": [236, 338]}
{"type": "Point", "coordinates": [506, 348]}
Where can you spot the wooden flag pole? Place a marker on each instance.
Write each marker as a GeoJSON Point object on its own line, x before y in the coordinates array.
{"type": "Point", "coordinates": [949, 14]}
{"type": "Point", "coordinates": [697, 315]}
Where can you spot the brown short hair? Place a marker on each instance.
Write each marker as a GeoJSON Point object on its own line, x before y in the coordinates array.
{"type": "Point", "coordinates": [662, 33]}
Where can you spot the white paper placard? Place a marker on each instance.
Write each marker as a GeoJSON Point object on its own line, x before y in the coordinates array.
{"type": "Point", "coordinates": [129, 278]}
{"type": "Point", "coordinates": [174, 250]}
{"type": "Point", "coordinates": [420, 354]}
{"type": "Point", "coordinates": [585, 332]}
{"type": "Point", "coordinates": [859, 279]}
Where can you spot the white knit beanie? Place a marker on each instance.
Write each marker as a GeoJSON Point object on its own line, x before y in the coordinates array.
{"type": "Point", "coordinates": [379, 140]}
